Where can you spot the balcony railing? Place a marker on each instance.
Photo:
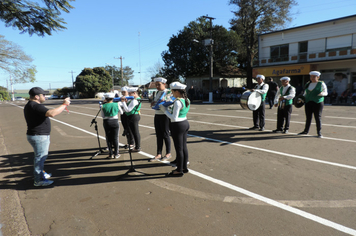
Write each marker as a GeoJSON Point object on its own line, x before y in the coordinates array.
{"type": "Point", "coordinates": [310, 57]}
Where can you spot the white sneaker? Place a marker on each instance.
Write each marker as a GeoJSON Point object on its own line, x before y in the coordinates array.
{"type": "Point", "coordinates": [43, 183]}
{"type": "Point", "coordinates": [117, 156]}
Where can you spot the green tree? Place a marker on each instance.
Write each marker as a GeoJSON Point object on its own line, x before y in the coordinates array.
{"type": "Point", "coordinates": [63, 91]}
{"type": "Point", "coordinates": [254, 17]}
{"type": "Point", "coordinates": [4, 95]}
{"type": "Point", "coordinates": [187, 56]}
{"type": "Point", "coordinates": [15, 62]}
{"type": "Point", "coordinates": [29, 17]}
{"type": "Point", "coordinates": [115, 72]}
{"type": "Point", "coordinates": [91, 81]}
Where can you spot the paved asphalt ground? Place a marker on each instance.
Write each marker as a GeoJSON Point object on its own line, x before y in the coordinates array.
{"type": "Point", "coordinates": [241, 182]}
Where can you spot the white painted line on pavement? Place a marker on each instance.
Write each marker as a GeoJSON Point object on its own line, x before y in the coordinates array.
{"type": "Point", "coordinates": [249, 118]}
{"type": "Point", "coordinates": [246, 146]}
{"type": "Point", "coordinates": [269, 201]}
{"type": "Point", "coordinates": [278, 153]}
{"type": "Point", "coordinates": [277, 204]}
{"type": "Point", "coordinates": [243, 127]}
{"type": "Point", "coordinates": [336, 117]}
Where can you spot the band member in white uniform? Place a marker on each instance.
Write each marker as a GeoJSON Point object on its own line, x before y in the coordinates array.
{"type": "Point", "coordinates": [179, 127]}
{"type": "Point", "coordinates": [130, 142]}
{"type": "Point", "coordinates": [284, 101]}
{"type": "Point", "coordinates": [314, 94]}
{"type": "Point", "coordinates": [110, 112]}
{"type": "Point", "coordinates": [132, 110]}
{"type": "Point", "coordinates": [161, 122]}
{"type": "Point", "coordinates": [259, 114]}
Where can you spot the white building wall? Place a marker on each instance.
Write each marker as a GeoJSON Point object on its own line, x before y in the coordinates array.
{"type": "Point", "coordinates": [313, 32]}
{"type": "Point", "coordinates": [293, 48]}
{"type": "Point", "coordinates": [354, 40]}
{"type": "Point", "coordinates": [317, 45]}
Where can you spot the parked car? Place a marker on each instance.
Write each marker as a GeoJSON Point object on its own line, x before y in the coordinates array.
{"type": "Point", "coordinates": [53, 97]}
{"type": "Point", "coordinates": [19, 99]}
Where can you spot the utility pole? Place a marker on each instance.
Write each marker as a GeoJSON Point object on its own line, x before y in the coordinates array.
{"type": "Point", "coordinates": [122, 73]}
{"type": "Point", "coordinates": [72, 82]}
{"type": "Point", "coordinates": [211, 42]}
{"type": "Point", "coordinates": [72, 78]}
{"type": "Point", "coordinates": [139, 54]}
{"type": "Point", "coordinates": [112, 77]}
{"type": "Point", "coordinates": [12, 90]}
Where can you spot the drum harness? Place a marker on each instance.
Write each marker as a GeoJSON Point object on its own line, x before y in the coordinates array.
{"type": "Point", "coordinates": [283, 103]}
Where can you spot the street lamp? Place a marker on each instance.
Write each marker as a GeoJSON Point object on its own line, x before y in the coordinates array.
{"type": "Point", "coordinates": [210, 42]}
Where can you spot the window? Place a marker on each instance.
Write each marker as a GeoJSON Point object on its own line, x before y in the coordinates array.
{"type": "Point", "coordinates": [303, 51]}
{"type": "Point", "coordinates": [303, 47]}
{"type": "Point", "coordinates": [280, 53]}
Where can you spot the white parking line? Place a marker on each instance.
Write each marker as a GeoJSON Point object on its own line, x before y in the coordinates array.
{"type": "Point", "coordinates": [251, 147]}
{"type": "Point", "coordinates": [249, 118]}
{"type": "Point", "coordinates": [336, 117]}
{"type": "Point", "coordinates": [269, 201]}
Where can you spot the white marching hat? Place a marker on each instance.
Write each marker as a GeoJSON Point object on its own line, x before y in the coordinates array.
{"type": "Point", "coordinates": [160, 79]}
{"type": "Point", "coordinates": [132, 89]}
{"type": "Point", "coordinates": [260, 76]}
{"type": "Point", "coordinates": [109, 95]}
{"type": "Point", "coordinates": [285, 78]}
{"type": "Point", "coordinates": [317, 73]}
{"type": "Point", "coordinates": [177, 85]}
{"type": "Point", "coordinates": [125, 88]}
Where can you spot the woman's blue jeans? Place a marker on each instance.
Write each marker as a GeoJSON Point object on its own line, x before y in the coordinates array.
{"type": "Point", "coordinates": [40, 144]}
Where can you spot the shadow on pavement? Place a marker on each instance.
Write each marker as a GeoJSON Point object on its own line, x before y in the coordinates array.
{"type": "Point", "coordinates": [73, 167]}
{"type": "Point", "coordinates": [237, 135]}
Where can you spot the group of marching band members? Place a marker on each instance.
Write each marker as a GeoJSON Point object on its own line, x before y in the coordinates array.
{"type": "Point", "coordinates": [313, 98]}
{"type": "Point", "coordinates": [173, 119]}
{"type": "Point", "coordinates": [168, 120]}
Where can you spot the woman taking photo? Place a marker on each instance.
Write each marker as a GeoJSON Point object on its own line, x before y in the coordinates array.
{"type": "Point", "coordinates": [179, 127]}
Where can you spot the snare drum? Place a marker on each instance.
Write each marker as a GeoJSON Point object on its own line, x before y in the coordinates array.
{"type": "Point", "coordinates": [250, 100]}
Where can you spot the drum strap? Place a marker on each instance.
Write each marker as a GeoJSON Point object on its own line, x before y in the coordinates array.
{"type": "Point", "coordinates": [287, 92]}
{"type": "Point", "coordinates": [307, 85]}
{"type": "Point", "coordinates": [261, 86]}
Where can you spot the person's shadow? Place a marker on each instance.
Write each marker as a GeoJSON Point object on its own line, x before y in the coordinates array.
{"type": "Point", "coordinates": [72, 167]}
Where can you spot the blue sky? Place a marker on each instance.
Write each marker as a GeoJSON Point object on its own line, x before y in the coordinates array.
{"type": "Point", "coordinates": [100, 31]}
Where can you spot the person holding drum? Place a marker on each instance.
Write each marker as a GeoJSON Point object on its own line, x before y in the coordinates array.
{"type": "Point", "coordinates": [161, 122]}
{"type": "Point", "coordinates": [284, 101]}
{"type": "Point", "coordinates": [259, 114]}
{"type": "Point", "coordinates": [314, 94]}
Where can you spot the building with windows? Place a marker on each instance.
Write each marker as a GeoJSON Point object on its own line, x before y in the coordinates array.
{"type": "Point", "coordinates": [328, 47]}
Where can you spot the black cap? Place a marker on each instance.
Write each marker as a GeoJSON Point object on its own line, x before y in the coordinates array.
{"type": "Point", "coordinates": [36, 91]}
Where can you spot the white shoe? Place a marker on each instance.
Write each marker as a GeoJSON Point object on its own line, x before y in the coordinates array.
{"type": "Point", "coordinates": [117, 156]}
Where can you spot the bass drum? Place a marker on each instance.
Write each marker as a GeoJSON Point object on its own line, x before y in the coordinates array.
{"type": "Point", "coordinates": [251, 100]}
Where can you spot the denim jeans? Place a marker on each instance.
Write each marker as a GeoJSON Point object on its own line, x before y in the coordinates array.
{"type": "Point", "coordinates": [40, 144]}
